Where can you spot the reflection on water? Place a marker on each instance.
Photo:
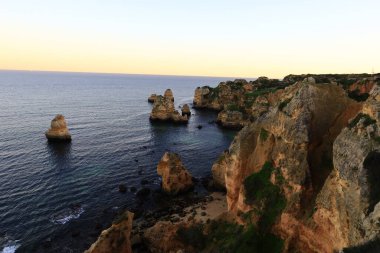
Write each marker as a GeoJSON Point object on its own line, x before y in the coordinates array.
{"type": "Point", "coordinates": [60, 152]}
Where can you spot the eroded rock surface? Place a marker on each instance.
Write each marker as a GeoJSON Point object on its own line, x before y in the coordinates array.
{"type": "Point", "coordinates": [175, 177]}
{"type": "Point", "coordinates": [115, 239]}
{"type": "Point", "coordinates": [58, 130]}
{"type": "Point", "coordinates": [164, 110]}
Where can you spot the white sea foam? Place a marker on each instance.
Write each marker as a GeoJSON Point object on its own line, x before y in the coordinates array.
{"type": "Point", "coordinates": [67, 215]}
{"type": "Point", "coordinates": [10, 247]}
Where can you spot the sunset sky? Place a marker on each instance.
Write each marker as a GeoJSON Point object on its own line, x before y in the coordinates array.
{"type": "Point", "coordinates": [199, 37]}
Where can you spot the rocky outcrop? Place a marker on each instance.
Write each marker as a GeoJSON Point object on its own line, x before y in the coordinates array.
{"type": "Point", "coordinates": [162, 237]}
{"type": "Point", "coordinates": [58, 130]}
{"type": "Point", "coordinates": [163, 110]}
{"type": "Point", "coordinates": [175, 177]}
{"type": "Point", "coordinates": [152, 98]}
{"type": "Point", "coordinates": [186, 110]}
{"type": "Point", "coordinates": [115, 239]}
{"type": "Point", "coordinates": [298, 136]}
{"type": "Point", "coordinates": [169, 95]}
{"type": "Point", "coordinates": [231, 119]}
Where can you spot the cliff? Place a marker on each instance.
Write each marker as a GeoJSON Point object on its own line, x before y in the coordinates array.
{"type": "Point", "coordinates": [115, 239]}
{"type": "Point", "coordinates": [322, 163]}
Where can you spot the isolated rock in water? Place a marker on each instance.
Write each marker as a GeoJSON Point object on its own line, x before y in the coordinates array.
{"type": "Point", "coordinates": [58, 130]}
{"type": "Point", "coordinates": [169, 94]}
{"type": "Point", "coordinates": [115, 239]}
{"type": "Point", "coordinates": [175, 177]}
{"type": "Point", "coordinates": [186, 110]}
{"type": "Point", "coordinates": [152, 98]}
{"type": "Point", "coordinates": [163, 110]}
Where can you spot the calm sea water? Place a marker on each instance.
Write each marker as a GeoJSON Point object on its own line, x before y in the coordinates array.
{"type": "Point", "coordinates": [52, 196]}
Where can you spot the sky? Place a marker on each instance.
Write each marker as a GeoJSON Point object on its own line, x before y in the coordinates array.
{"type": "Point", "coordinates": [236, 38]}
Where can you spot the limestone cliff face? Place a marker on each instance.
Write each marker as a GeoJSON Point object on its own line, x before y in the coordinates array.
{"type": "Point", "coordinates": [349, 200]}
{"type": "Point", "coordinates": [297, 135]}
{"type": "Point", "coordinates": [175, 177]}
{"type": "Point", "coordinates": [231, 119]}
{"type": "Point", "coordinates": [163, 110]}
{"type": "Point", "coordinates": [115, 239]}
{"type": "Point", "coordinates": [58, 130]}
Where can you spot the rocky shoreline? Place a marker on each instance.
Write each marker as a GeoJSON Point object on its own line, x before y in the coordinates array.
{"type": "Point", "coordinates": [302, 167]}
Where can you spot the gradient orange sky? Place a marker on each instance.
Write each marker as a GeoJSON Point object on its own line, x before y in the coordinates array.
{"type": "Point", "coordinates": [209, 37]}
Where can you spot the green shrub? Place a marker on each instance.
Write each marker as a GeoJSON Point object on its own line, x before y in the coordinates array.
{"type": "Point", "coordinates": [193, 236]}
{"type": "Point", "coordinates": [233, 107]}
{"type": "Point", "coordinates": [367, 120]}
{"type": "Point", "coordinates": [264, 134]}
{"type": "Point", "coordinates": [283, 104]}
{"type": "Point", "coordinates": [355, 95]}
{"type": "Point", "coordinates": [268, 197]}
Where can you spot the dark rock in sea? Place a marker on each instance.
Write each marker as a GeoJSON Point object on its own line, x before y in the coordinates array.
{"type": "Point", "coordinates": [133, 189]}
{"type": "Point", "coordinates": [145, 147]}
{"type": "Point", "coordinates": [144, 182]}
{"type": "Point", "coordinates": [136, 160]}
{"type": "Point", "coordinates": [143, 193]}
{"type": "Point", "coordinates": [122, 188]}
{"type": "Point", "coordinates": [75, 233]}
{"type": "Point", "coordinates": [199, 126]}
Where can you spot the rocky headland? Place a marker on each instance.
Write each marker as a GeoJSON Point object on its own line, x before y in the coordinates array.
{"type": "Point", "coordinates": [58, 130]}
{"type": "Point", "coordinates": [301, 175]}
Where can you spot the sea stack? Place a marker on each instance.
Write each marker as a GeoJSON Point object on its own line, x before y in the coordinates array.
{"type": "Point", "coordinates": [169, 94]}
{"type": "Point", "coordinates": [163, 110]}
{"type": "Point", "coordinates": [186, 110]}
{"type": "Point", "coordinates": [175, 177]}
{"type": "Point", "coordinates": [58, 130]}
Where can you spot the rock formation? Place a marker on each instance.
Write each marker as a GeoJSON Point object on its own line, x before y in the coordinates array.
{"type": "Point", "coordinates": [162, 237]}
{"type": "Point", "coordinates": [175, 177]}
{"type": "Point", "coordinates": [58, 130]}
{"type": "Point", "coordinates": [186, 110]}
{"type": "Point", "coordinates": [231, 119]}
{"type": "Point", "coordinates": [115, 239]}
{"type": "Point", "coordinates": [169, 94]}
{"type": "Point", "coordinates": [297, 136]}
{"type": "Point", "coordinates": [163, 110]}
{"type": "Point", "coordinates": [152, 98]}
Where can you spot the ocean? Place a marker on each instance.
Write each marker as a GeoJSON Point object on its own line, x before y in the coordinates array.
{"type": "Point", "coordinates": [57, 197]}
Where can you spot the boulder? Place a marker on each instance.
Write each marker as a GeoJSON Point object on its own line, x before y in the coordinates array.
{"type": "Point", "coordinates": [175, 177]}
{"type": "Point", "coordinates": [58, 130]}
{"type": "Point", "coordinates": [186, 110]}
{"type": "Point", "coordinates": [152, 98]}
{"type": "Point", "coordinates": [115, 239]}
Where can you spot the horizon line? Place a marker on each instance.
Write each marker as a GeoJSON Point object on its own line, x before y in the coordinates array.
{"type": "Point", "coordinates": [119, 73]}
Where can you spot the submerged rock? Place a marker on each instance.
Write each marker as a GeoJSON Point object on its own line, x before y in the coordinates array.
{"type": "Point", "coordinates": [115, 239]}
{"type": "Point", "coordinates": [175, 177]}
{"type": "Point", "coordinates": [58, 130]}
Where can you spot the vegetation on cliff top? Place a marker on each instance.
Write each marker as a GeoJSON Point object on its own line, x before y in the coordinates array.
{"type": "Point", "coordinates": [223, 236]}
